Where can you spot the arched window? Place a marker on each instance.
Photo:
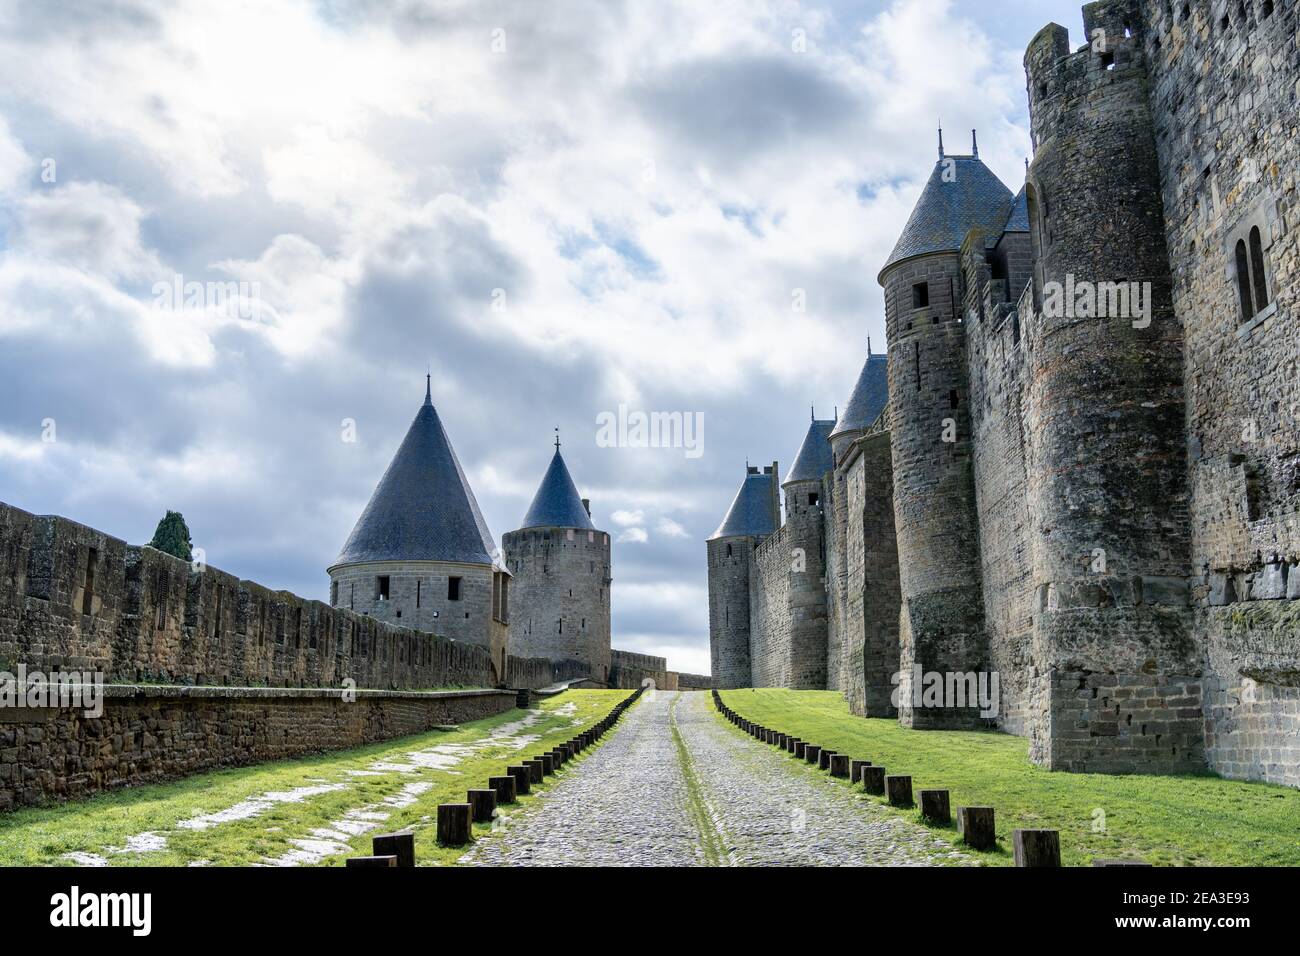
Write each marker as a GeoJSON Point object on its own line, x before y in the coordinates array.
{"type": "Point", "coordinates": [1257, 269]}
{"type": "Point", "coordinates": [1243, 281]}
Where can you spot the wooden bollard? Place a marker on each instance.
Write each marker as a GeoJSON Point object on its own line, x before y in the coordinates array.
{"type": "Point", "coordinates": [558, 756]}
{"type": "Point", "coordinates": [934, 806]}
{"type": "Point", "coordinates": [548, 763]}
{"type": "Point", "coordinates": [371, 861]}
{"type": "Point", "coordinates": [812, 753]}
{"type": "Point", "coordinates": [523, 777]}
{"type": "Point", "coordinates": [976, 826]}
{"type": "Point", "coordinates": [505, 788]}
{"type": "Point", "coordinates": [535, 772]}
{"type": "Point", "coordinates": [483, 803]}
{"type": "Point", "coordinates": [855, 769]}
{"type": "Point", "coordinates": [839, 765]}
{"type": "Point", "coordinates": [1037, 847]}
{"type": "Point", "coordinates": [824, 759]}
{"type": "Point", "coordinates": [454, 823]}
{"type": "Point", "coordinates": [800, 748]}
{"type": "Point", "coordinates": [789, 744]}
{"type": "Point", "coordinates": [898, 790]}
{"type": "Point", "coordinates": [873, 779]}
{"type": "Point", "coordinates": [400, 846]}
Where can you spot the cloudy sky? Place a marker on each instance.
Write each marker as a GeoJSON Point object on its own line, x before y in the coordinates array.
{"type": "Point", "coordinates": [558, 208]}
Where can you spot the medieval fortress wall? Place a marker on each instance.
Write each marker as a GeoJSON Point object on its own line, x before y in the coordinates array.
{"type": "Point", "coordinates": [1111, 522]}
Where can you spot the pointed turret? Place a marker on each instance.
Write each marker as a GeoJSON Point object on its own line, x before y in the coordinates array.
{"type": "Point", "coordinates": [754, 510]}
{"type": "Point", "coordinates": [814, 457]}
{"type": "Point", "coordinates": [423, 508]}
{"type": "Point", "coordinates": [557, 503]}
{"type": "Point", "coordinates": [869, 398]}
{"type": "Point", "coordinates": [962, 192]}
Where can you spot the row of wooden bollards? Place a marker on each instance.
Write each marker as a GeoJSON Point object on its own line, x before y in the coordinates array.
{"type": "Point", "coordinates": [455, 820]}
{"type": "Point", "coordinates": [1032, 847]}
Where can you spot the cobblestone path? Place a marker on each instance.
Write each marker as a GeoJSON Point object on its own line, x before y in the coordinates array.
{"type": "Point", "coordinates": [676, 786]}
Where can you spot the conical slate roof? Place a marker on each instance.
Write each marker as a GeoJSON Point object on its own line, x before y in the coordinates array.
{"type": "Point", "coordinates": [962, 192]}
{"type": "Point", "coordinates": [814, 458]}
{"type": "Point", "coordinates": [557, 504]}
{"type": "Point", "coordinates": [423, 508]}
{"type": "Point", "coordinates": [1018, 220]}
{"type": "Point", "coordinates": [869, 398]}
{"type": "Point", "coordinates": [751, 510]}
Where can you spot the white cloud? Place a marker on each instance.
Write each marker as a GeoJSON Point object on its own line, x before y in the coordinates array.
{"type": "Point", "coordinates": [633, 536]}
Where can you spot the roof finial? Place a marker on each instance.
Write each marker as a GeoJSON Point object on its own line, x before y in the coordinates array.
{"type": "Point", "coordinates": [812, 411]}
{"type": "Point", "coordinates": [974, 144]}
{"type": "Point", "coordinates": [1026, 167]}
{"type": "Point", "coordinates": [428, 388]}
{"type": "Point", "coordinates": [868, 346]}
{"type": "Point", "coordinates": [557, 439]}
{"type": "Point", "coordinates": [941, 138]}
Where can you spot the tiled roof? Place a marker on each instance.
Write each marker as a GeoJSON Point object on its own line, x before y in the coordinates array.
{"type": "Point", "coordinates": [423, 508]}
{"type": "Point", "coordinates": [869, 398]}
{"type": "Point", "coordinates": [814, 458]}
{"type": "Point", "coordinates": [962, 192]}
{"type": "Point", "coordinates": [1018, 220]}
{"type": "Point", "coordinates": [557, 503]}
{"type": "Point", "coordinates": [751, 510]}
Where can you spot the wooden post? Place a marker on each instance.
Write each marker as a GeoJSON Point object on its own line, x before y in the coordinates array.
{"type": "Point", "coordinates": [976, 826]}
{"type": "Point", "coordinates": [811, 752]}
{"type": "Point", "coordinates": [898, 790]}
{"type": "Point", "coordinates": [548, 763]}
{"type": "Point", "coordinates": [400, 846]}
{"type": "Point", "coordinates": [534, 770]}
{"type": "Point", "coordinates": [839, 765]}
{"type": "Point", "coordinates": [505, 788]}
{"type": "Point", "coordinates": [934, 806]}
{"type": "Point", "coordinates": [791, 743]}
{"type": "Point", "coordinates": [454, 824]}
{"type": "Point", "coordinates": [800, 749]}
{"type": "Point", "coordinates": [484, 804]}
{"type": "Point", "coordinates": [1037, 847]}
{"type": "Point", "coordinates": [855, 769]}
{"type": "Point", "coordinates": [523, 775]}
{"type": "Point", "coordinates": [824, 759]}
{"type": "Point", "coordinates": [873, 779]}
{"type": "Point", "coordinates": [371, 861]}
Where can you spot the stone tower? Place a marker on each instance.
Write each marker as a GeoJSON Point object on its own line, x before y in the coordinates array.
{"type": "Point", "coordinates": [421, 554]}
{"type": "Point", "coordinates": [1107, 493]}
{"type": "Point", "coordinates": [941, 622]}
{"type": "Point", "coordinates": [560, 564]}
{"type": "Point", "coordinates": [755, 513]}
{"type": "Point", "coordinates": [805, 543]}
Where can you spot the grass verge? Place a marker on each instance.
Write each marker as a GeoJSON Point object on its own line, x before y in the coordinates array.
{"type": "Point", "coordinates": [1166, 820]}
{"type": "Point", "coordinates": [330, 792]}
{"type": "Point", "coordinates": [712, 843]}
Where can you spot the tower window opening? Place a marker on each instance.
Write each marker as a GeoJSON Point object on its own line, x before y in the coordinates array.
{"type": "Point", "coordinates": [334, 593]}
{"type": "Point", "coordinates": [1266, 9]}
{"type": "Point", "coordinates": [1243, 281]}
{"type": "Point", "coordinates": [453, 589]}
{"type": "Point", "coordinates": [1257, 269]}
{"type": "Point", "coordinates": [352, 597]}
{"type": "Point", "coordinates": [88, 589]}
{"type": "Point", "coordinates": [952, 398]}
{"type": "Point", "coordinates": [382, 587]}
{"type": "Point", "coordinates": [812, 499]}
{"type": "Point", "coordinates": [1108, 60]}
{"type": "Point", "coordinates": [920, 295]}
{"type": "Point", "coordinates": [417, 592]}
{"type": "Point", "coordinates": [728, 550]}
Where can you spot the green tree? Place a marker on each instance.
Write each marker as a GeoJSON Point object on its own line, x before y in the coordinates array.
{"type": "Point", "coordinates": [173, 536]}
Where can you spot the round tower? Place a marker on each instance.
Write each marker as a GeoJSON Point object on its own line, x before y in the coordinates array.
{"type": "Point", "coordinates": [421, 555]}
{"type": "Point", "coordinates": [1108, 497]}
{"type": "Point", "coordinates": [754, 514]}
{"type": "Point", "coordinates": [560, 564]}
{"type": "Point", "coordinates": [941, 624]}
{"type": "Point", "coordinates": [811, 658]}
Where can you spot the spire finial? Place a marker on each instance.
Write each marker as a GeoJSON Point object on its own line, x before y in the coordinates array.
{"type": "Point", "coordinates": [557, 439]}
{"type": "Point", "coordinates": [812, 412]}
{"type": "Point", "coordinates": [428, 388]}
{"type": "Point", "coordinates": [868, 346]}
{"type": "Point", "coordinates": [1026, 167]}
{"type": "Point", "coordinates": [974, 144]}
{"type": "Point", "coordinates": [941, 138]}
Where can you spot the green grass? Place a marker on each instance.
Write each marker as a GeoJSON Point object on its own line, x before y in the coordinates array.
{"type": "Point", "coordinates": [41, 836]}
{"type": "Point", "coordinates": [712, 843]}
{"type": "Point", "coordinates": [1190, 820]}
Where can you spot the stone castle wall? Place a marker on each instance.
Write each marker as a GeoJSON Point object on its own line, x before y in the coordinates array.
{"type": "Point", "coordinates": [730, 564]}
{"type": "Point", "coordinates": [74, 598]}
{"type": "Point", "coordinates": [560, 596]}
{"type": "Point", "coordinates": [1224, 99]}
{"type": "Point", "coordinates": [149, 733]}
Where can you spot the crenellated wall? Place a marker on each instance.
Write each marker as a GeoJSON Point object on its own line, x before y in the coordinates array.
{"type": "Point", "coordinates": [74, 598]}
